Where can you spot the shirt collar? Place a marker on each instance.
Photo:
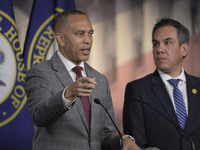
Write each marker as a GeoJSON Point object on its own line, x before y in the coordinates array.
{"type": "Point", "coordinates": [166, 77]}
{"type": "Point", "coordinates": [68, 64]}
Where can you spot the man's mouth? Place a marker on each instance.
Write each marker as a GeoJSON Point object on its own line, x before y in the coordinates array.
{"type": "Point", "coordinates": [85, 51]}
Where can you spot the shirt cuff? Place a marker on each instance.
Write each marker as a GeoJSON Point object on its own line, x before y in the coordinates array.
{"type": "Point", "coordinates": [67, 102]}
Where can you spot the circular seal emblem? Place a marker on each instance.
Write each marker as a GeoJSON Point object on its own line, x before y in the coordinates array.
{"type": "Point", "coordinates": [12, 71]}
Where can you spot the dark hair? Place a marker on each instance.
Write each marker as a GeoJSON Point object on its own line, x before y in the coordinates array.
{"type": "Point", "coordinates": [182, 32]}
{"type": "Point", "coordinates": [63, 15]}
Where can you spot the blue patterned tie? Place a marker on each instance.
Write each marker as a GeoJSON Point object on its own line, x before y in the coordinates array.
{"type": "Point", "coordinates": [179, 103]}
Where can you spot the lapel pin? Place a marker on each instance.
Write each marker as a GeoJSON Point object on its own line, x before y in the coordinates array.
{"type": "Point", "coordinates": [194, 91]}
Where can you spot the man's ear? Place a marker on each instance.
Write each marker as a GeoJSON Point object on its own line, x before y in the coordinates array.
{"type": "Point", "coordinates": [184, 49]}
{"type": "Point", "coordinates": [60, 39]}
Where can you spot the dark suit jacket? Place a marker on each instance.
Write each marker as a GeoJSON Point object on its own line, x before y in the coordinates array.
{"type": "Point", "coordinates": [56, 127]}
{"type": "Point", "coordinates": [148, 127]}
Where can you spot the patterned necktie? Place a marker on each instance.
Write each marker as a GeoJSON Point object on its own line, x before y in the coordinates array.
{"type": "Point", "coordinates": [179, 103]}
{"type": "Point", "coordinates": [85, 100]}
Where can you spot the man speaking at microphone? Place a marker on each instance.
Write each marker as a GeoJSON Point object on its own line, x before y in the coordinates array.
{"type": "Point", "coordinates": [170, 90]}
{"type": "Point", "coordinates": [61, 93]}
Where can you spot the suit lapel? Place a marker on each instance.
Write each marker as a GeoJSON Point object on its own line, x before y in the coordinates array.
{"type": "Point", "coordinates": [61, 71]}
{"type": "Point", "coordinates": [95, 109]}
{"type": "Point", "coordinates": [89, 73]}
{"type": "Point", "coordinates": [193, 97]}
{"type": "Point", "coordinates": [192, 93]}
{"type": "Point", "coordinates": [160, 90]}
{"type": "Point", "coordinates": [79, 106]}
{"type": "Point", "coordinates": [66, 80]}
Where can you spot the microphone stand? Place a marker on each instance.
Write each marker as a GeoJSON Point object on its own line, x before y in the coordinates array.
{"type": "Point", "coordinates": [97, 101]}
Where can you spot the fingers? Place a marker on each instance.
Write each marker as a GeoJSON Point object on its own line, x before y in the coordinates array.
{"type": "Point", "coordinates": [88, 80]}
{"type": "Point", "coordinates": [86, 83]}
{"type": "Point", "coordinates": [85, 86]}
{"type": "Point", "coordinates": [83, 92]}
{"type": "Point", "coordinates": [81, 87]}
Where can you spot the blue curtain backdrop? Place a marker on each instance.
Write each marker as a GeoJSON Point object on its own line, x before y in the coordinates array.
{"type": "Point", "coordinates": [16, 129]}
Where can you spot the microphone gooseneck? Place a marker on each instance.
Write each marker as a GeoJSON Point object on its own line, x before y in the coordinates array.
{"type": "Point", "coordinates": [136, 98]}
{"type": "Point", "coordinates": [97, 101]}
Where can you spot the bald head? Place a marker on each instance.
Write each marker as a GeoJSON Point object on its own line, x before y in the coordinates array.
{"type": "Point", "coordinates": [63, 18]}
{"type": "Point", "coordinates": [73, 33]}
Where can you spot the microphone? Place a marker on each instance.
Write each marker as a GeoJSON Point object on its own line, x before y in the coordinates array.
{"type": "Point", "coordinates": [97, 101]}
{"type": "Point", "coordinates": [136, 98]}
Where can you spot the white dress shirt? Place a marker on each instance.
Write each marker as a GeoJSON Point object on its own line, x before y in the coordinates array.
{"type": "Point", "coordinates": [181, 86]}
{"type": "Point", "coordinates": [69, 66]}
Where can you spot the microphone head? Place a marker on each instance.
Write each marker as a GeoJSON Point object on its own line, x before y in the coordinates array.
{"type": "Point", "coordinates": [97, 101]}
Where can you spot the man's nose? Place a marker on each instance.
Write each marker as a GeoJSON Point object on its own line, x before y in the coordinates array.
{"type": "Point", "coordinates": [88, 39]}
{"type": "Point", "coordinates": [160, 48]}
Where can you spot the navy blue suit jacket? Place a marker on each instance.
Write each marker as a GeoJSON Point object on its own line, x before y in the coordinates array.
{"type": "Point", "coordinates": [148, 127]}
